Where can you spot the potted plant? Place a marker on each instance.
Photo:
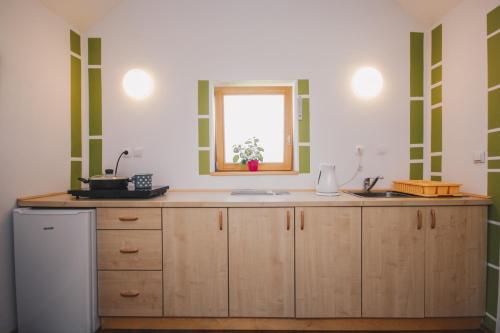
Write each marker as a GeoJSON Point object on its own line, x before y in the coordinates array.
{"type": "Point", "coordinates": [249, 154]}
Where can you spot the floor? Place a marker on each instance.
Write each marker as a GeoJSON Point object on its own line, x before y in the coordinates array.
{"type": "Point", "coordinates": [174, 331]}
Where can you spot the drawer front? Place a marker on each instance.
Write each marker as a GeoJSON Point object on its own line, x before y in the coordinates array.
{"type": "Point", "coordinates": [129, 218]}
{"type": "Point", "coordinates": [130, 293]}
{"type": "Point", "coordinates": [129, 249]}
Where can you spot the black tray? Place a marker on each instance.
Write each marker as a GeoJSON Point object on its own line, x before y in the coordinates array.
{"type": "Point", "coordinates": [119, 194]}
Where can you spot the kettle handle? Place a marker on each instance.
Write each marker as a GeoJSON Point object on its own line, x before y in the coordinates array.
{"type": "Point", "coordinates": [319, 176]}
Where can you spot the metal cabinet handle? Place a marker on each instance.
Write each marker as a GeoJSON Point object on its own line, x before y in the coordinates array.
{"type": "Point", "coordinates": [301, 220]}
{"type": "Point", "coordinates": [128, 219]}
{"type": "Point", "coordinates": [287, 220]}
{"type": "Point", "coordinates": [419, 219]}
{"type": "Point", "coordinates": [129, 250]}
{"type": "Point", "coordinates": [220, 220]}
{"type": "Point", "coordinates": [129, 293]}
{"type": "Point", "coordinates": [433, 219]}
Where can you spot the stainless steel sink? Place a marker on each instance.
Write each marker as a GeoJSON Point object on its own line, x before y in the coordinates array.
{"type": "Point", "coordinates": [382, 194]}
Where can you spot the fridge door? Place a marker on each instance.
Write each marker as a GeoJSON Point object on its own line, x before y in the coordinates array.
{"type": "Point", "coordinates": [55, 270]}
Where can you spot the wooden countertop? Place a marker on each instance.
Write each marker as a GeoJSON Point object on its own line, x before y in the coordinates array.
{"type": "Point", "coordinates": [220, 198]}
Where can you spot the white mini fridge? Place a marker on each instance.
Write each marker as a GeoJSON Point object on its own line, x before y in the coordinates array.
{"type": "Point", "coordinates": [55, 270]}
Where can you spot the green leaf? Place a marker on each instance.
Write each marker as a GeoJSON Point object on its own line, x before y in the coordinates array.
{"type": "Point", "coordinates": [235, 158]}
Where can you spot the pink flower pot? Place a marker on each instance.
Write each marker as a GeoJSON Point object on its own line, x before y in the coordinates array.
{"type": "Point", "coordinates": [253, 165]}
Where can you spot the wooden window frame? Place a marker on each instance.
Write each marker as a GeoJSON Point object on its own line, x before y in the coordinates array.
{"type": "Point", "coordinates": [288, 140]}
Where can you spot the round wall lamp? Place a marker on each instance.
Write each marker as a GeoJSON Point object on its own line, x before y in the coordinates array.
{"type": "Point", "coordinates": [137, 84]}
{"type": "Point", "coordinates": [367, 82]}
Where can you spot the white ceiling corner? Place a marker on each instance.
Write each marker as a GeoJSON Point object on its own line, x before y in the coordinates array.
{"type": "Point", "coordinates": [81, 14]}
{"type": "Point", "coordinates": [428, 12]}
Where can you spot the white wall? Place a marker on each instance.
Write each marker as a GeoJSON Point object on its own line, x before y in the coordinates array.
{"type": "Point", "coordinates": [180, 42]}
{"type": "Point", "coordinates": [34, 120]}
{"type": "Point", "coordinates": [465, 93]}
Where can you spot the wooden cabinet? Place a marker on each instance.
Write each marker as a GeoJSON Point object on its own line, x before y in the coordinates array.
{"type": "Point", "coordinates": [261, 262]}
{"type": "Point", "coordinates": [455, 255]}
{"type": "Point", "coordinates": [128, 218]}
{"type": "Point", "coordinates": [393, 262]}
{"type": "Point", "coordinates": [328, 262]}
{"type": "Point", "coordinates": [195, 262]}
{"type": "Point", "coordinates": [413, 255]}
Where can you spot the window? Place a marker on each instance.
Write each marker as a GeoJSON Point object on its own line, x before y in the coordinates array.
{"type": "Point", "coordinates": [243, 112]}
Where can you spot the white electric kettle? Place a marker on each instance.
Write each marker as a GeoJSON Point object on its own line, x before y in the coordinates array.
{"type": "Point", "coordinates": [327, 181]}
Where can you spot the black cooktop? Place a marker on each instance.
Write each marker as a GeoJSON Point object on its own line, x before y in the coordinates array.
{"type": "Point", "coordinates": [120, 194]}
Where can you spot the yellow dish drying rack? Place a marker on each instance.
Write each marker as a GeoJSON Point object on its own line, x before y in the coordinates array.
{"type": "Point", "coordinates": [428, 188]}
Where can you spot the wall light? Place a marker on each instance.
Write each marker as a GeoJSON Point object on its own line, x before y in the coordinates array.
{"type": "Point", "coordinates": [137, 84]}
{"type": "Point", "coordinates": [367, 82]}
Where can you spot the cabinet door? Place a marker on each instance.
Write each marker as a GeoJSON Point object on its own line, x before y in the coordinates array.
{"type": "Point", "coordinates": [455, 261]}
{"type": "Point", "coordinates": [393, 261]}
{"type": "Point", "coordinates": [195, 262]}
{"type": "Point", "coordinates": [261, 262]}
{"type": "Point", "coordinates": [328, 262]}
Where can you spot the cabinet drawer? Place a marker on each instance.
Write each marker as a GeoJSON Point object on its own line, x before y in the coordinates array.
{"type": "Point", "coordinates": [128, 218]}
{"type": "Point", "coordinates": [130, 293]}
{"type": "Point", "coordinates": [129, 249]}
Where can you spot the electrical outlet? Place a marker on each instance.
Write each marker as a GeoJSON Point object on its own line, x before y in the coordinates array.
{"type": "Point", "coordinates": [129, 153]}
{"type": "Point", "coordinates": [138, 151]}
{"type": "Point", "coordinates": [359, 150]}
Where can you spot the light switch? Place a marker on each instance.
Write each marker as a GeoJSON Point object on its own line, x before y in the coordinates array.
{"type": "Point", "coordinates": [479, 156]}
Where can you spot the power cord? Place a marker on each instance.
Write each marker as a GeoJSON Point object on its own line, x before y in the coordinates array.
{"type": "Point", "coordinates": [358, 170]}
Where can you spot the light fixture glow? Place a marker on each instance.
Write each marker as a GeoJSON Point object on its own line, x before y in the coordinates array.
{"type": "Point", "coordinates": [137, 84]}
{"type": "Point", "coordinates": [367, 82]}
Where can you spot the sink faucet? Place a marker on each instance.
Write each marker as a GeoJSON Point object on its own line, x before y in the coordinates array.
{"type": "Point", "coordinates": [368, 184]}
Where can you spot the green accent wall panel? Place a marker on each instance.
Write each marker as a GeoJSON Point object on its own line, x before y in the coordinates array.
{"type": "Point", "coordinates": [494, 164]}
{"type": "Point", "coordinates": [303, 87]}
{"type": "Point", "coordinates": [416, 64]}
{"type": "Point", "coordinates": [95, 102]}
{"type": "Point", "coordinates": [416, 171]}
{"type": "Point", "coordinates": [494, 108]}
{"type": "Point", "coordinates": [304, 124]}
{"type": "Point", "coordinates": [437, 74]}
{"type": "Point", "coordinates": [437, 178]}
{"type": "Point", "coordinates": [436, 163]}
{"type": "Point", "coordinates": [416, 153]}
{"type": "Point", "coordinates": [436, 95]}
{"type": "Point", "coordinates": [94, 51]}
{"type": "Point", "coordinates": [492, 288]}
{"type": "Point", "coordinates": [203, 162]}
{"type": "Point", "coordinates": [203, 132]}
{"type": "Point", "coordinates": [95, 157]}
{"type": "Point", "coordinates": [74, 42]}
{"type": "Point", "coordinates": [203, 99]}
{"type": "Point", "coordinates": [493, 243]}
{"type": "Point", "coordinates": [493, 20]}
{"type": "Point", "coordinates": [494, 144]}
{"type": "Point", "coordinates": [416, 122]}
{"type": "Point", "coordinates": [436, 44]}
{"type": "Point", "coordinates": [304, 159]}
{"type": "Point", "coordinates": [436, 130]}
{"type": "Point", "coordinates": [489, 323]}
{"type": "Point", "coordinates": [494, 192]}
{"type": "Point", "coordinates": [75, 173]}
{"type": "Point", "coordinates": [494, 61]}
{"type": "Point", "coordinates": [76, 107]}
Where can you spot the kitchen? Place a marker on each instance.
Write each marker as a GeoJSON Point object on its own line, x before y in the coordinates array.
{"type": "Point", "coordinates": [400, 89]}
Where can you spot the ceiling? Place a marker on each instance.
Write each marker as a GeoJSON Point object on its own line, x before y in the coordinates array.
{"type": "Point", "coordinates": [82, 14]}
{"type": "Point", "coordinates": [428, 12]}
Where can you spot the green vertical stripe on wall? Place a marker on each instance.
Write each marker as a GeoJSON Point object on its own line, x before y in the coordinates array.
{"type": "Point", "coordinates": [416, 153]}
{"type": "Point", "coordinates": [436, 44]}
{"type": "Point", "coordinates": [435, 163]}
{"type": "Point", "coordinates": [436, 95]}
{"type": "Point", "coordinates": [493, 243]}
{"type": "Point", "coordinates": [74, 42]}
{"type": "Point", "coordinates": [305, 122]}
{"type": "Point", "coordinates": [76, 107]}
{"type": "Point", "coordinates": [75, 172]}
{"type": "Point", "coordinates": [494, 144]}
{"type": "Point", "coordinates": [204, 162]}
{"type": "Point", "coordinates": [416, 122]}
{"type": "Point", "coordinates": [493, 20]}
{"type": "Point", "coordinates": [416, 171]}
{"type": "Point", "coordinates": [492, 288]}
{"type": "Point", "coordinates": [489, 323]}
{"type": "Point", "coordinates": [95, 157]}
{"type": "Point", "coordinates": [95, 102]}
{"type": "Point", "coordinates": [436, 178]}
{"type": "Point", "coordinates": [303, 87]}
{"type": "Point", "coordinates": [494, 192]}
{"type": "Point", "coordinates": [94, 51]}
{"type": "Point", "coordinates": [494, 109]}
{"type": "Point", "coordinates": [203, 99]}
{"type": "Point", "coordinates": [436, 75]}
{"type": "Point", "coordinates": [436, 130]}
{"type": "Point", "coordinates": [203, 132]}
{"type": "Point", "coordinates": [416, 64]}
{"type": "Point", "coordinates": [494, 164]}
{"type": "Point", "coordinates": [304, 159]}
{"type": "Point", "coordinates": [493, 61]}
